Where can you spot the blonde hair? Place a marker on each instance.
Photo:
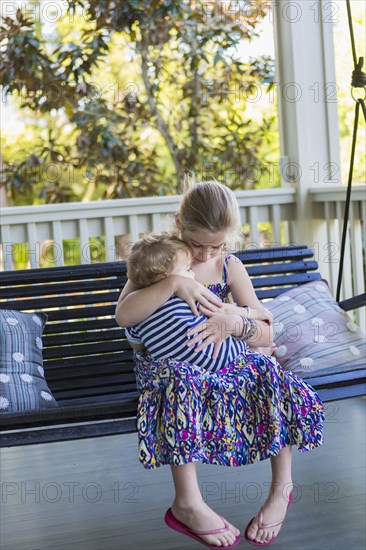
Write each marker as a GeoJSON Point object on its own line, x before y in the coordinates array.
{"type": "Point", "coordinates": [153, 257]}
{"type": "Point", "coordinates": [209, 205]}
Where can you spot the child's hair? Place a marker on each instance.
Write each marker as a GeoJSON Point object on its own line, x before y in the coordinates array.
{"type": "Point", "coordinates": [153, 257]}
{"type": "Point", "coordinates": [209, 205]}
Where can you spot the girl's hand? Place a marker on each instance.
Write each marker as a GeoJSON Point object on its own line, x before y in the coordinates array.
{"type": "Point", "coordinates": [215, 330]}
{"type": "Point", "coordinates": [192, 291]}
{"type": "Point", "coordinates": [226, 309]}
{"type": "Point", "coordinates": [260, 314]}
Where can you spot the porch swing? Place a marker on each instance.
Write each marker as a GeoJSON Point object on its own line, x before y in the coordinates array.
{"type": "Point", "coordinates": [88, 363]}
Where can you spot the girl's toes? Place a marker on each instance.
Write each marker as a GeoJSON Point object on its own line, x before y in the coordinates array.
{"type": "Point", "coordinates": [252, 532]}
{"type": "Point", "coordinates": [234, 531]}
{"type": "Point", "coordinates": [232, 538]}
{"type": "Point", "coordinates": [224, 542]}
{"type": "Point", "coordinates": [269, 536]}
{"type": "Point", "coordinates": [264, 537]}
{"type": "Point", "coordinates": [258, 537]}
{"type": "Point", "coordinates": [229, 539]}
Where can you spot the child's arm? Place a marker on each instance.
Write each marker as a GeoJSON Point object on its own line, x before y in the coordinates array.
{"type": "Point", "coordinates": [134, 338]}
{"type": "Point", "coordinates": [135, 305]}
{"type": "Point", "coordinates": [137, 347]}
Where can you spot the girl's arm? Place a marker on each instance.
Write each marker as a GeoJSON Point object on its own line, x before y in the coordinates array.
{"type": "Point", "coordinates": [225, 322]}
{"type": "Point", "coordinates": [243, 293]}
{"type": "Point", "coordinates": [261, 314]}
{"type": "Point", "coordinates": [228, 327]}
{"type": "Point", "coordinates": [137, 304]}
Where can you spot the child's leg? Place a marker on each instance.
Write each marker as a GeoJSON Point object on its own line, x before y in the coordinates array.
{"type": "Point", "coordinates": [274, 508]}
{"type": "Point", "coordinates": [189, 507]}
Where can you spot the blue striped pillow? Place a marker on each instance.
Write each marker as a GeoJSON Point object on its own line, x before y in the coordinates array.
{"type": "Point", "coordinates": [313, 334]}
{"type": "Point", "coordinates": [22, 383]}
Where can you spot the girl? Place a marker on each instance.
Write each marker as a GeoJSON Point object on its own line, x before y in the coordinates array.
{"type": "Point", "coordinates": [247, 411]}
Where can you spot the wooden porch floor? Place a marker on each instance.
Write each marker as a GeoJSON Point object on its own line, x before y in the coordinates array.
{"type": "Point", "coordinates": [94, 494]}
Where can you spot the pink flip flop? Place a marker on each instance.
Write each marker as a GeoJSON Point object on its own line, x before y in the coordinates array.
{"type": "Point", "coordinates": [263, 526]}
{"type": "Point", "coordinates": [177, 525]}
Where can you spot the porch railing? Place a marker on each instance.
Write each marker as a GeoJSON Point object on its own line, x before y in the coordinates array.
{"type": "Point", "coordinates": [39, 235]}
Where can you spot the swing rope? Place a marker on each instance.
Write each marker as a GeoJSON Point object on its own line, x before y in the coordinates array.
{"type": "Point", "coordinates": [358, 81]}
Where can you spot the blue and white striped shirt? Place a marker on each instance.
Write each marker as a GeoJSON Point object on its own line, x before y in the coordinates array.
{"type": "Point", "coordinates": [164, 334]}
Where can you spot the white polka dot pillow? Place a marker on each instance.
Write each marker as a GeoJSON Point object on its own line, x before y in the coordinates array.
{"type": "Point", "coordinates": [22, 383]}
{"type": "Point", "coordinates": [313, 334]}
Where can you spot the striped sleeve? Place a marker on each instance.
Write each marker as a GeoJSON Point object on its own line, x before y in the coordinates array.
{"type": "Point", "coordinates": [132, 335]}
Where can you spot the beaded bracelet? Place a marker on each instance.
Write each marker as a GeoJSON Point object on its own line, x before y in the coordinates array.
{"type": "Point", "coordinates": [249, 329]}
{"type": "Point", "coordinates": [253, 329]}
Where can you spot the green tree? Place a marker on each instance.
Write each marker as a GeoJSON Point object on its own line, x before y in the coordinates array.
{"type": "Point", "coordinates": [126, 96]}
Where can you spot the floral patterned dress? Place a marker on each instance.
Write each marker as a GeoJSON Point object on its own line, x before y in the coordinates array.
{"type": "Point", "coordinates": [243, 413]}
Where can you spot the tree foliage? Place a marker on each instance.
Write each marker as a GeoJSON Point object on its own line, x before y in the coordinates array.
{"type": "Point", "coordinates": [129, 95]}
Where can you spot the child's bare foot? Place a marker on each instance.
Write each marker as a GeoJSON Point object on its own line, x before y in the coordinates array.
{"type": "Point", "coordinates": [274, 509]}
{"type": "Point", "coordinates": [200, 517]}
{"type": "Point", "coordinates": [268, 350]}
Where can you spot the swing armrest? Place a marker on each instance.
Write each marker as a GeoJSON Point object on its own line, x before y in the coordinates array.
{"type": "Point", "coordinates": [353, 303]}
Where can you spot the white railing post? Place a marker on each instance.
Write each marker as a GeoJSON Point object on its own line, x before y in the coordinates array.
{"type": "Point", "coordinates": [307, 110]}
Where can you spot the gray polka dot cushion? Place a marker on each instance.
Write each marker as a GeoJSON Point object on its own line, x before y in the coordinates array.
{"type": "Point", "coordinates": [22, 383]}
{"type": "Point", "coordinates": [313, 334]}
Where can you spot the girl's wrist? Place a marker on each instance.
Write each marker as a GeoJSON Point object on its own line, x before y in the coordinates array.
{"type": "Point", "coordinates": [249, 330]}
{"type": "Point", "coordinates": [247, 311]}
{"type": "Point", "coordinates": [173, 282]}
{"type": "Point", "coordinates": [239, 325]}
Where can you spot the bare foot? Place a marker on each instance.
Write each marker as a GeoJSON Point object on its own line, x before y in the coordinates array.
{"type": "Point", "coordinates": [274, 509]}
{"type": "Point", "coordinates": [200, 517]}
{"type": "Point", "coordinates": [268, 350]}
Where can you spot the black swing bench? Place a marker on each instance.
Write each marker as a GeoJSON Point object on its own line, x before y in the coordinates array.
{"type": "Point", "coordinates": [87, 359]}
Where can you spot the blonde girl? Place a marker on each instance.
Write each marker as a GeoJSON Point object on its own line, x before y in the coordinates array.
{"type": "Point", "coordinates": [248, 411]}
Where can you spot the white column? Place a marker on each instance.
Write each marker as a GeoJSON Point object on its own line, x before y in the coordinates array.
{"type": "Point", "coordinates": [307, 97]}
